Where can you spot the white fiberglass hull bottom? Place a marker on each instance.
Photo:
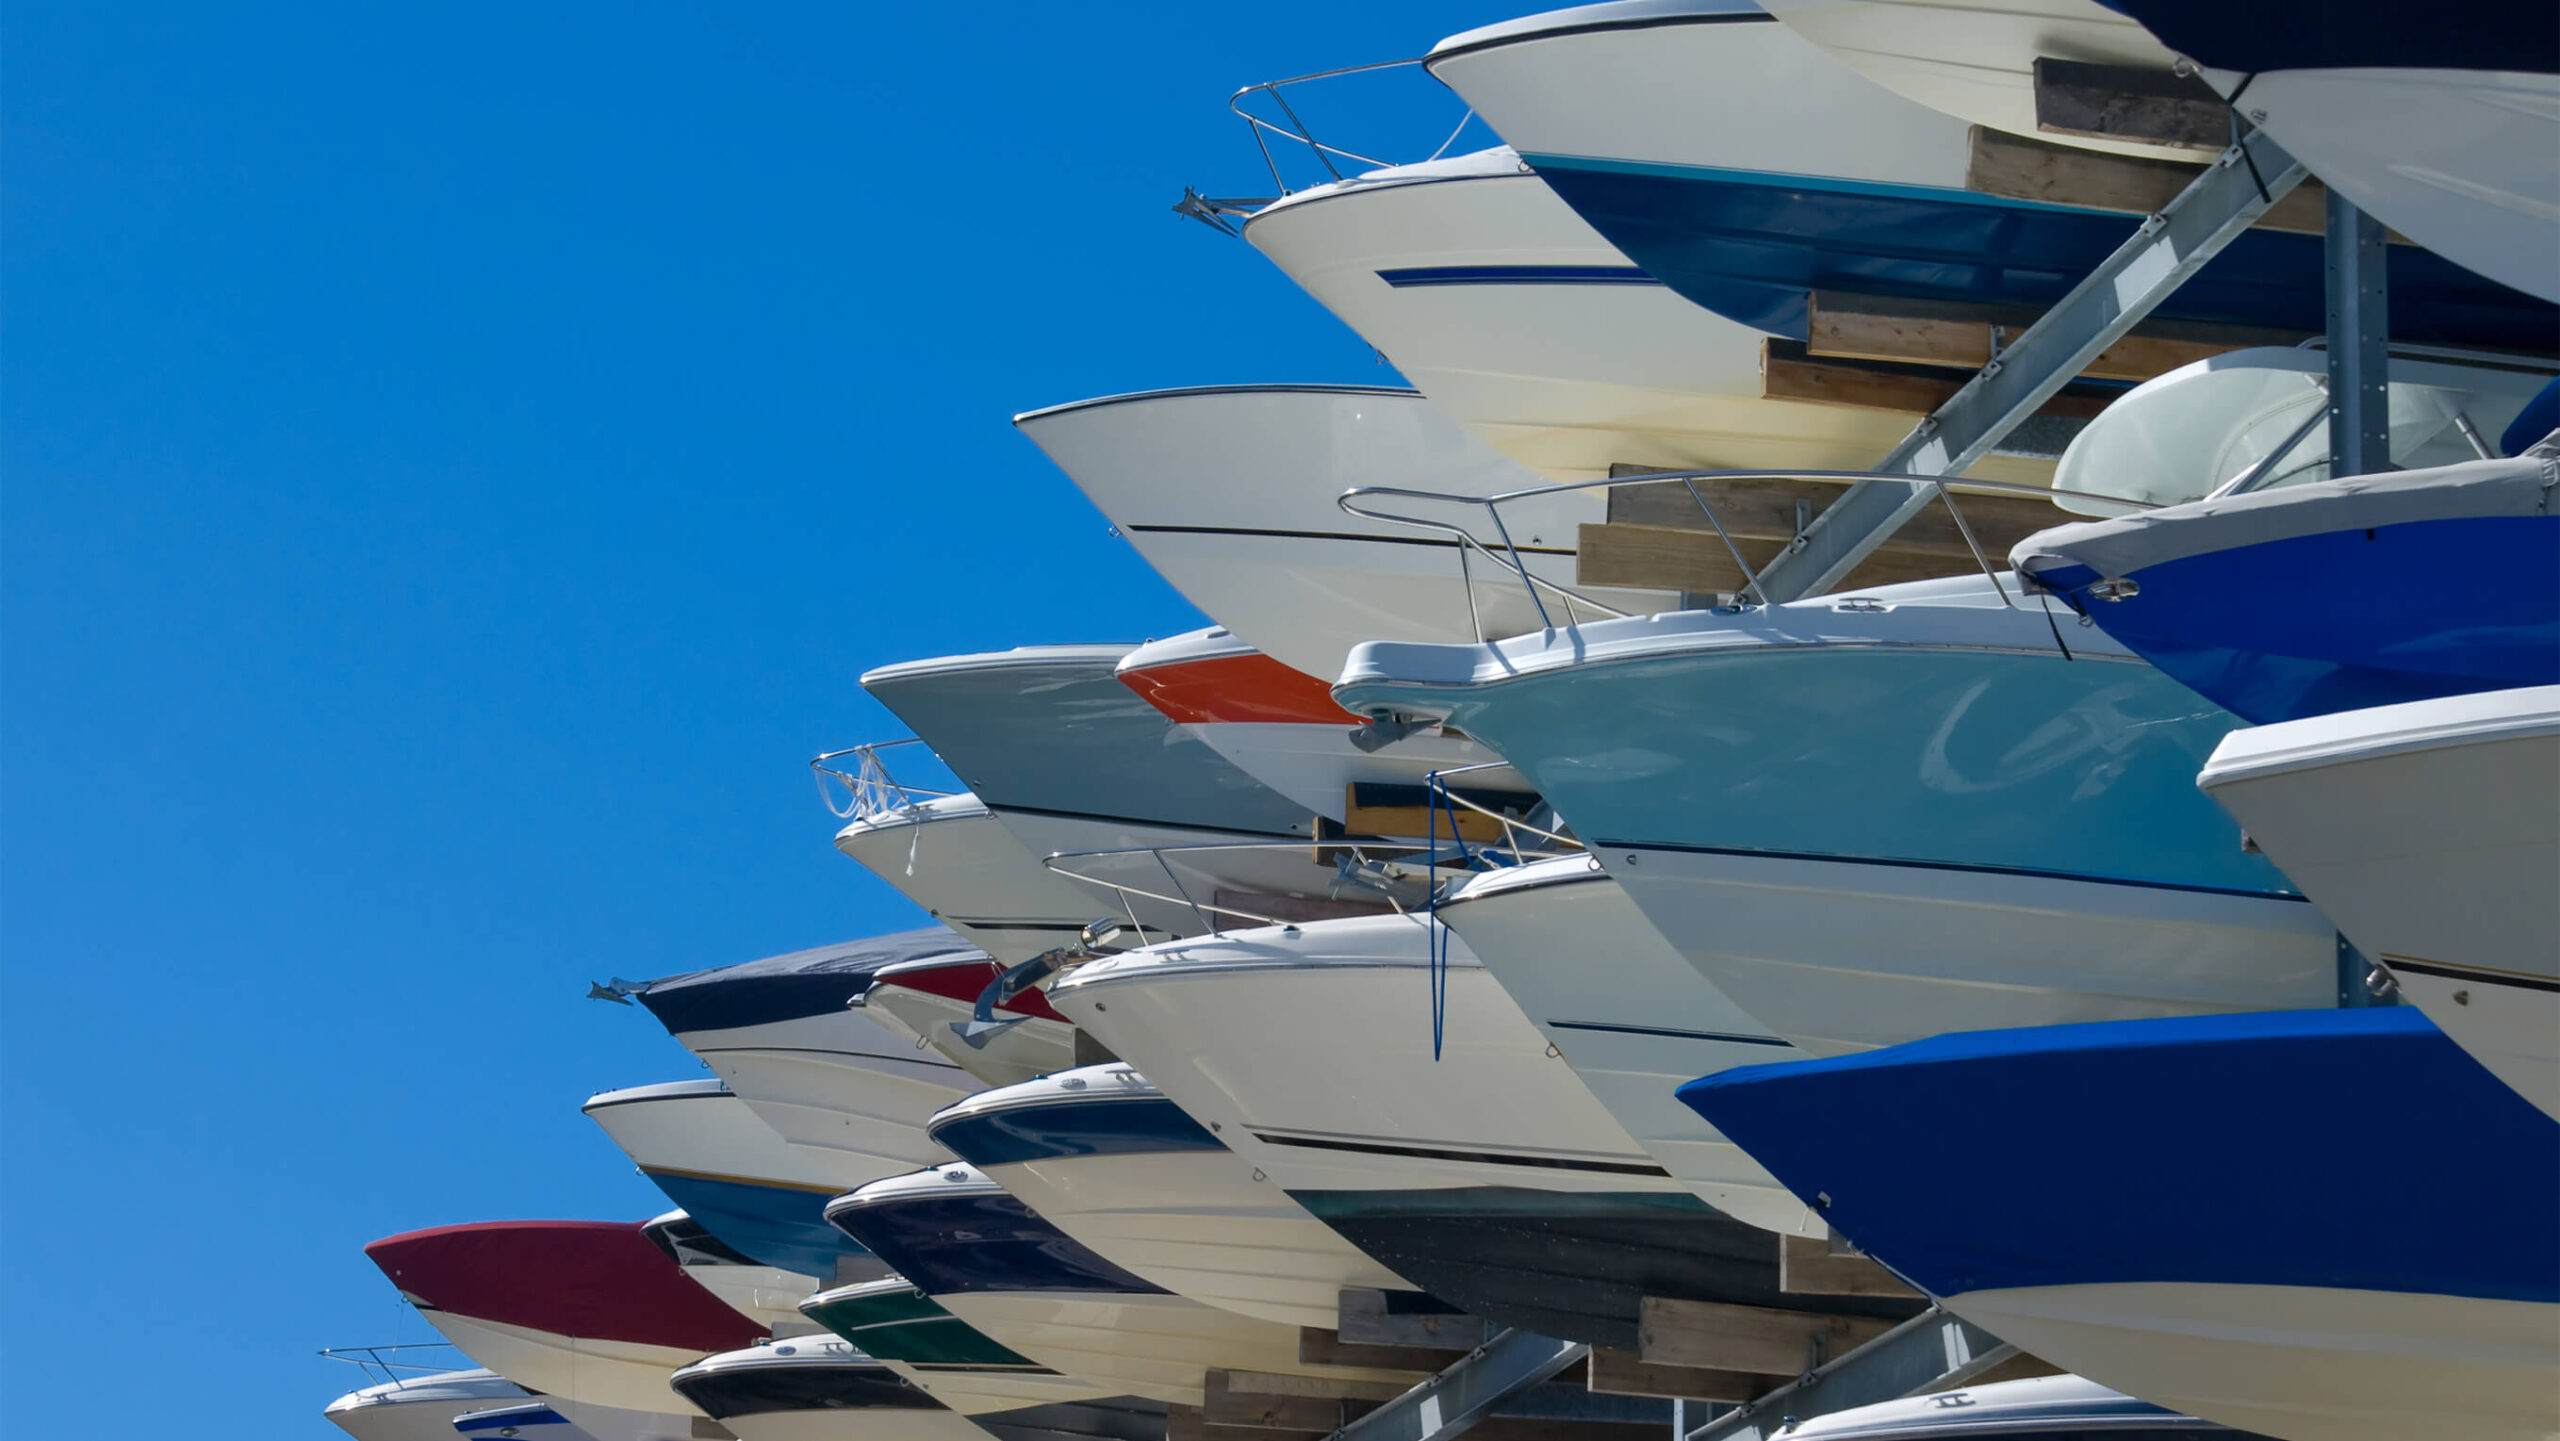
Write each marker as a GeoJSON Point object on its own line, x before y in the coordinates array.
{"type": "Point", "coordinates": [2431, 832]}
{"type": "Point", "coordinates": [2306, 1364]}
{"type": "Point", "coordinates": [976, 1391]}
{"type": "Point", "coordinates": [1316, 765]}
{"type": "Point", "coordinates": [845, 1092]}
{"type": "Point", "coordinates": [2459, 161]}
{"type": "Point", "coordinates": [1032, 1046]}
{"type": "Point", "coordinates": [868, 1424]}
{"type": "Point", "coordinates": [766, 1295]}
{"type": "Point", "coordinates": [1198, 1224]}
{"type": "Point", "coordinates": [1840, 956]}
{"type": "Point", "coordinates": [953, 858]}
{"type": "Point", "coordinates": [1311, 1051]}
{"type": "Point", "coordinates": [1307, 601]}
{"type": "Point", "coordinates": [1632, 1017]}
{"type": "Point", "coordinates": [626, 1374]}
{"type": "Point", "coordinates": [612, 1423]}
{"type": "Point", "coordinates": [1158, 1347]}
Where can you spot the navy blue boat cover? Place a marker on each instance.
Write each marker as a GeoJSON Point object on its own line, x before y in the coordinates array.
{"type": "Point", "coordinates": [2355, 34]}
{"type": "Point", "coordinates": [786, 988]}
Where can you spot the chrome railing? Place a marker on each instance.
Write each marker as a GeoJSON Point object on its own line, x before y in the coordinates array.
{"type": "Point", "coordinates": [1403, 874]}
{"type": "Point", "coordinates": [871, 793]}
{"type": "Point", "coordinates": [383, 1365]}
{"type": "Point", "coordinates": [1285, 126]}
{"type": "Point", "coordinates": [1503, 552]}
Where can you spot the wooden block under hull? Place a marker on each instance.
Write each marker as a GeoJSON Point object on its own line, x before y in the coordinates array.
{"type": "Point", "coordinates": [1843, 326]}
{"type": "Point", "coordinates": [1807, 1264]}
{"type": "Point", "coordinates": [1755, 1339]}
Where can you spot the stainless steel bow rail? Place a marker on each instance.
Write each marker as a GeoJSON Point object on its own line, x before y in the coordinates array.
{"type": "Point", "coordinates": [871, 792]}
{"type": "Point", "coordinates": [1396, 872]}
{"type": "Point", "coordinates": [1503, 552]}
{"type": "Point", "coordinates": [1288, 127]}
{"type": "Point", "coordinates": [385, 1366]}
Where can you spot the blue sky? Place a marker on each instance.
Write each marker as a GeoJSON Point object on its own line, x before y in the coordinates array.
{"type": "Point", "coordinates": [454, 463]}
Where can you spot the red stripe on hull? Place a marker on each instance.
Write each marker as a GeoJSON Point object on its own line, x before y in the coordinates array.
{"type": "Point", "coordinates": [963, 981]}
{"type": "Point", "coordinates": [1237, 688]}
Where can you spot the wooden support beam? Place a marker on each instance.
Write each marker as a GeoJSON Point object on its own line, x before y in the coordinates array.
{"type": "Point", "coordinates": [1624, 1373]}
{"type": "Point", "coordinates": [1756, 1339]}
{"type": "Point", "coordinates": [1274, 1402]}
{"type": "Point", "coordinates": [1807, 1265]}
{"type": "Point", "coordinates": [1320, 1347]}
{"type": "Point", "coordinates": [2017, 168]}
{"type": "Point", "coordinates": [1660, 557]}
{"type": "Point", "coordinates": [1867, 386]}
{"type": "Point", "coordinates": [1774, 510]}
{"type": "Point", "coordinates": [1362, 1317]}
{"type": "Point", "coordinates": [1188, 1423]}
{"type": "Point", "coordinates": [2124, 102]}
{"type": "Point", "coordinates": [1842, 326]}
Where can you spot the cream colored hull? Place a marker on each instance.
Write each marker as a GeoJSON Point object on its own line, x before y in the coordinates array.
{"type": "Point", "coordinates": [1568, 379]}
{"type": "Point", "coordinates": [1200, 1225]}
{"type": "Point", "coordinates": [2304, 1364]}
{"type": "Point", "coordinates": [1310, 1052]}
{"type": "Point", "coordinates": [968, 872]}
{"type": "Point", "coordinates": [1976, 61]}
{"type": "Point", "coordinates": [1633, 1018]}
{"type": "Point", "coordinates": [609, 1373]}
{"type": "Point", "coordinates": [1158, 1347]}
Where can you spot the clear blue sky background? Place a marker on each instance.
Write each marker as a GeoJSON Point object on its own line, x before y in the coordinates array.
{"type": "Point", "coordinates": [454, 462]}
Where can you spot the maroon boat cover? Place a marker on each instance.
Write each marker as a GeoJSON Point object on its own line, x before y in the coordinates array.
{"type": "Point", "coordinates": [593, 1280]}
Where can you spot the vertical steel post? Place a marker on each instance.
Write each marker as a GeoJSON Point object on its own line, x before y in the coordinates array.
{"type": "Point", "coordinates": [2359, 341]}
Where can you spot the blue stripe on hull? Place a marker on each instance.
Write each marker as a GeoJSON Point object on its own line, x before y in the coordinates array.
{"type": "Point", "coordinates": [2354, 1149]}
{"type": "Point", "coordinates": [1751, 247]}
{"type": "Point", "coordinates": [2319, 624]}
{"type": "Point", "coordinates": [1110, 1126]}
{"type": "Point", "coordinates": [771, 1225]}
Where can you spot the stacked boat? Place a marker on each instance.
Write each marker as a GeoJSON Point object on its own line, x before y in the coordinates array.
{"type": "Point", "coordinates": [1911, 793]}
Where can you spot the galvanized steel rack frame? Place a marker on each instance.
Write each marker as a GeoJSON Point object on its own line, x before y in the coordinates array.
{"type": "Point", "coordinates": [1935, 1350]}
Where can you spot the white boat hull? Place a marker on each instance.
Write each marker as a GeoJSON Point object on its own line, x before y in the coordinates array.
{"type": "Point", "coordinates": [627, 1374]}
{"type": "Point", "coordinates": [1733, 96]}
{"type": "Point", "coordinates": [1198, 1224]}
{"type": "Point", "coordinates": [975, 1392]}
{"type": "Point", "coordinates": [870, 1424]}
{"type": "Point", "coordinates": [766, 1295]}
{"type": "Point", "coordinates": [1632, 1017]}
{"type": "Point", "coordinates": [1033, 1047]}
{"type": "Point", "coordinates": [2302, 1363]}
{"type": "Point", "coordinates": [2459, 161]}
{"type": "Point", "coordinates": [1567, 373]}
{"type": "Point", "coordinates": [1159, 1347]}
{"type": "Point", "coordinates": [1844, 955]}
{"type": "Point", "coordinates": [966, 870]}
{"type": "Point", "coordinates": [1977, 61]}
{"type": "Point", "coordinates": [847, 1095]}
{"type": "Point", "coordinates": [2431, 833]}
{"type": "Point", "coordinates": [1267, 552]}
{"type": "Point", "coordinates": [422, 1409]}
{"type": "Point", "coordinates": [700, 1131]}
{"type": "Point", "coordinates": [1310, 1052]}
{"type": "Point", "coordinates": [1316, 765]}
